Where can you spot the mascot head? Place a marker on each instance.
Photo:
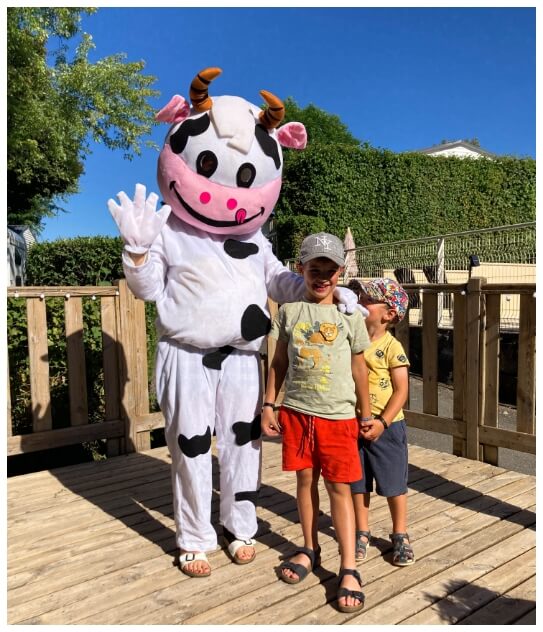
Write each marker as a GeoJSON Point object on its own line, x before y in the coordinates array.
{"type": "Point", "coordinates": [221, 164]}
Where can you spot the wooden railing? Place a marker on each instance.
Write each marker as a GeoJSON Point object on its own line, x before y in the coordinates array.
{"type": "Point", "coordinates": [127, 421]}
{"type": "Point", "coordinates": [476, 336]}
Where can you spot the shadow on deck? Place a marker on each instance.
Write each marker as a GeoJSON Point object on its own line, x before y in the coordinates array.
{"type": "Point", "coordinates": [94, 544]}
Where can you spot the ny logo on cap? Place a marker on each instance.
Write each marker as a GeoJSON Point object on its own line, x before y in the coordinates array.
{"type": "Point", "coordinates": [323, 241]}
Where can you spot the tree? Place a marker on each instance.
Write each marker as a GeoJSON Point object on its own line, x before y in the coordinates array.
{"type": "Point", "coordinates": [322, 127]}
{"type": "Point", "coordinates": [58, 106]}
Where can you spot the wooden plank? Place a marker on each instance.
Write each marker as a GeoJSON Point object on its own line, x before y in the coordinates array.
{"type": "Point", "coordinates": [143, 438]}
{"type": "Point", "coordinates": [491, 372]}
{"type": "Point", "coordinates": [50, 291]}
{"type": "Point", "coordinates": [112, 403]}
{"type": "Point", "coordinates": [66, 583]}
{"type": "Point", "coordinates": [21, 444]}
{"type": "Point", "coordinates": [443, 586]}
{"type": "Point", "coordinates": [430, 403]}
{"type": "Point", "coordinates": [459, 367]}
{"type": "Point", "coordinates": [473, 327]}
{"type": "Point", "coordinates": [150, 421]}
{"type": "Point", "coordinates": [526, 366]}
{"type": "Point", "coordinates": [127, 363]}
{"type": "Point", "coordinates": [479, 591]}
{"type": "Point", "coordinates": [435, 423]}
{"type": "Point", "coordinates": [276, 595]}
{"type": "Point", "coordinates": [507, 608]}
{"type": "Point", "coordinates": [75, 352]}
{"type": "Point", "coordinates": [502, 438]}
{"type": "Point", "coordinates": [527, 619]}
{"type": "Point", "coordinates": [9, 422]}
{"type": "Point", "coordinates": [39, 364]}
{"type": "Point", "coordinates": [435, 552]}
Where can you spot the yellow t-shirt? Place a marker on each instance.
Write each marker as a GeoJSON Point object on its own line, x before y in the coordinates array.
{"type": "Point", "coordinates": [383, 354]}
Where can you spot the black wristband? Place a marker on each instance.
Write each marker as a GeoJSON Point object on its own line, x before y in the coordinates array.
{"type": "Point", "coordinates": [268, 404]}
{"type": "Point", "coordinates": [382, 421]}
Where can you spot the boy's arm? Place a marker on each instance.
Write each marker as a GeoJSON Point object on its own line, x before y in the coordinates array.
{"type": "Point", "coordinates": [278, 370]}
{"type": "Point", "coordinates": [359, 370]}
{"type": "Point", "coordinates": [399, 377]}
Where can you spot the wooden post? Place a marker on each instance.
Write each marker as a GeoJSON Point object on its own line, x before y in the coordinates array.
{"type": "Point", "coordinates": [143, 438]}
{"type": "Point", "coordinates": [526, 365]}
{"type": "Point", "coordinates": [75, 351]}
{"type": "Point", "coordinates": [127, 363]}
{"type": "Point", "coordinates": [39, 364]}
{"type": "Point", "coordinates": [473, 366]}
{"type": "Point", "coordinates": [429, 353]}
{"type": "Point", "coordinates": [8, 420]}
{"type": "Point", "coordinates": [491, 371]}
{"type": "Point", "coordinates": [110, 363]}
{"type": "Point", "coordinates": [459, 368]}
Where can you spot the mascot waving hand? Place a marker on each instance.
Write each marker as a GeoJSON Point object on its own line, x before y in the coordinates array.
{"type": "Point", "coordinates": [209, 268]}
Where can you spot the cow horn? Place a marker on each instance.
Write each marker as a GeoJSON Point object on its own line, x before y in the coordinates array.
{"type": "Point", "coordinates": [274, 113]}
{"type": "Point", "coordinates": [199, 97]}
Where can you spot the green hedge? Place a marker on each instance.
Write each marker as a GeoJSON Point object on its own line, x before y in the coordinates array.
{"type": "Point", "coordinates": [384, 196]}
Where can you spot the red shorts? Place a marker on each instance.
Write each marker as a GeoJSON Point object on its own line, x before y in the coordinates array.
{"type": "Point", "coordinates": [331, 444]}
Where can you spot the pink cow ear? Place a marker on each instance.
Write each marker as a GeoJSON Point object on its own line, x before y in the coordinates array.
{"type": "Point", "coordinates": [175, 111]}
{"type": "Point", "coordinates": [292, 135]}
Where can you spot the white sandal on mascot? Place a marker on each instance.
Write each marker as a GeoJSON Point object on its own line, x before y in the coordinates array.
{"type": "Point", "coordinates": [233, 545]}
{"type": "Point", "coordinates": [187, 558]}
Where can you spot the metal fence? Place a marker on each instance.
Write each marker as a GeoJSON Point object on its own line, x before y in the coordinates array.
{"type": "Point", "coordinates": [505, 254]}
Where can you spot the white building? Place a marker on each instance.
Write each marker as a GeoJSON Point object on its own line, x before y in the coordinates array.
{"type": "Point", "coordinates": [458, 148]}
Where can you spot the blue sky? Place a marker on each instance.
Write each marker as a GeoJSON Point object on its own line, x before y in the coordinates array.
{"type": "Point", "coordinates": [400, 78]}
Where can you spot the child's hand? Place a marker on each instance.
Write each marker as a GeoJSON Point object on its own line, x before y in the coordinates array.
{"type": "Point", "coordinates": [371, 430]}
{"type": "Point", "coordinates": [269, 424]}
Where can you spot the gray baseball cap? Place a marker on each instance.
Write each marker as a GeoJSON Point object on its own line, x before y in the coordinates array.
{"type": "Point", "coordinates": [322, 245]}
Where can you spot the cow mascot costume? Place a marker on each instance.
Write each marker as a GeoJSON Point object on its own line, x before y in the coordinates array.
{"type": "Point", "coordinates": [210, 270]}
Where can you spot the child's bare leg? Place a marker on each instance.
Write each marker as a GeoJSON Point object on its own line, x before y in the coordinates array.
{"type": "Point", "coordinates": [398, 513]}
{"type": "Point", "coordinates": [307, 495]}
{"type": "Point", "coordinates": [361, 504]}
{"type": "Point", "coordinates": [402, 553]}
{"type": "Point", "coordinates": [342, 510]}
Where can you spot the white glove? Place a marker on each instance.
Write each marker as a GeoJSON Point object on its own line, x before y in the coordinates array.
{"type": "Point", "coordinates": [138, 221]}
{"type": "Point", "coordinates": [348, 301]}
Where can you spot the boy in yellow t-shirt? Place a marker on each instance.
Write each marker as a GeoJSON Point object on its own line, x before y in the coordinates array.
{"type": "Point", "coordinates": [383, 442]}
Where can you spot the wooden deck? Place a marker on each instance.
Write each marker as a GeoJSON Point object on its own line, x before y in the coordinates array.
{"type": "Point", "coordinates": [94, 544]}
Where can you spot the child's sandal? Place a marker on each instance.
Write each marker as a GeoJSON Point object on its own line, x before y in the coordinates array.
{"type": "Point", "coordinates": [345, 592]}
{"type": "Point", "coordinates": [402, 554]}
{"type": "Point", "coordinates": [361, 549]}
{"type": "Point", "coordinates": [300, 570]}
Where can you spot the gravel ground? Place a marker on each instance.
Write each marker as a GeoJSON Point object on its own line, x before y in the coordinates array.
{"type": "Point", "coordinates": [507, 417]}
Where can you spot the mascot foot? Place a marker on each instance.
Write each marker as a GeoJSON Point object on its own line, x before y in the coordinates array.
{"type": "Point", "coordinates": [194, 564]}
{"type": "Point", "coordinates": [240, 551]}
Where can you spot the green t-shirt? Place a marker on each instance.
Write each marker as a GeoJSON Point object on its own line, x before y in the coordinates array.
{"type": "Point", "coordinates": [321, 341]}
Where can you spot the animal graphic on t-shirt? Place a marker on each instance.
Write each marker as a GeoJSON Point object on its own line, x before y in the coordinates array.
{"type": "Point", "coordinates": [323, 334]}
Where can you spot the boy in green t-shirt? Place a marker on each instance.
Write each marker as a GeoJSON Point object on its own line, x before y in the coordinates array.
{"type": "Point", "coordinates": [320, 351]}
{"type": "Point", "coordinates": [383, 445]}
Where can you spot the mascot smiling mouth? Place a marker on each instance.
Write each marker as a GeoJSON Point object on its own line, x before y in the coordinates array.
{"type": "Point", "coordinates": [207, 220]}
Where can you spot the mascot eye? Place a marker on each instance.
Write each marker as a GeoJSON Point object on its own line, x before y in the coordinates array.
{"type": "Point", "coordinates": [206, 163]}
{"type": "Point", "coordinates": [246, 174]}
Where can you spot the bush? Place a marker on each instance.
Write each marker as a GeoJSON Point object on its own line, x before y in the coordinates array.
{"type": "Point", "coordinates": [386, 197]}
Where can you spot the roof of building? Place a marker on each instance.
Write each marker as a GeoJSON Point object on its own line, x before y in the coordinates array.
{"type": "Point", "coordinates": [452, 145]}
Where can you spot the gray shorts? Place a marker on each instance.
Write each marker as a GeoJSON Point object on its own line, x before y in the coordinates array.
{"type": "Point", "coordinates": [385, 461]}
